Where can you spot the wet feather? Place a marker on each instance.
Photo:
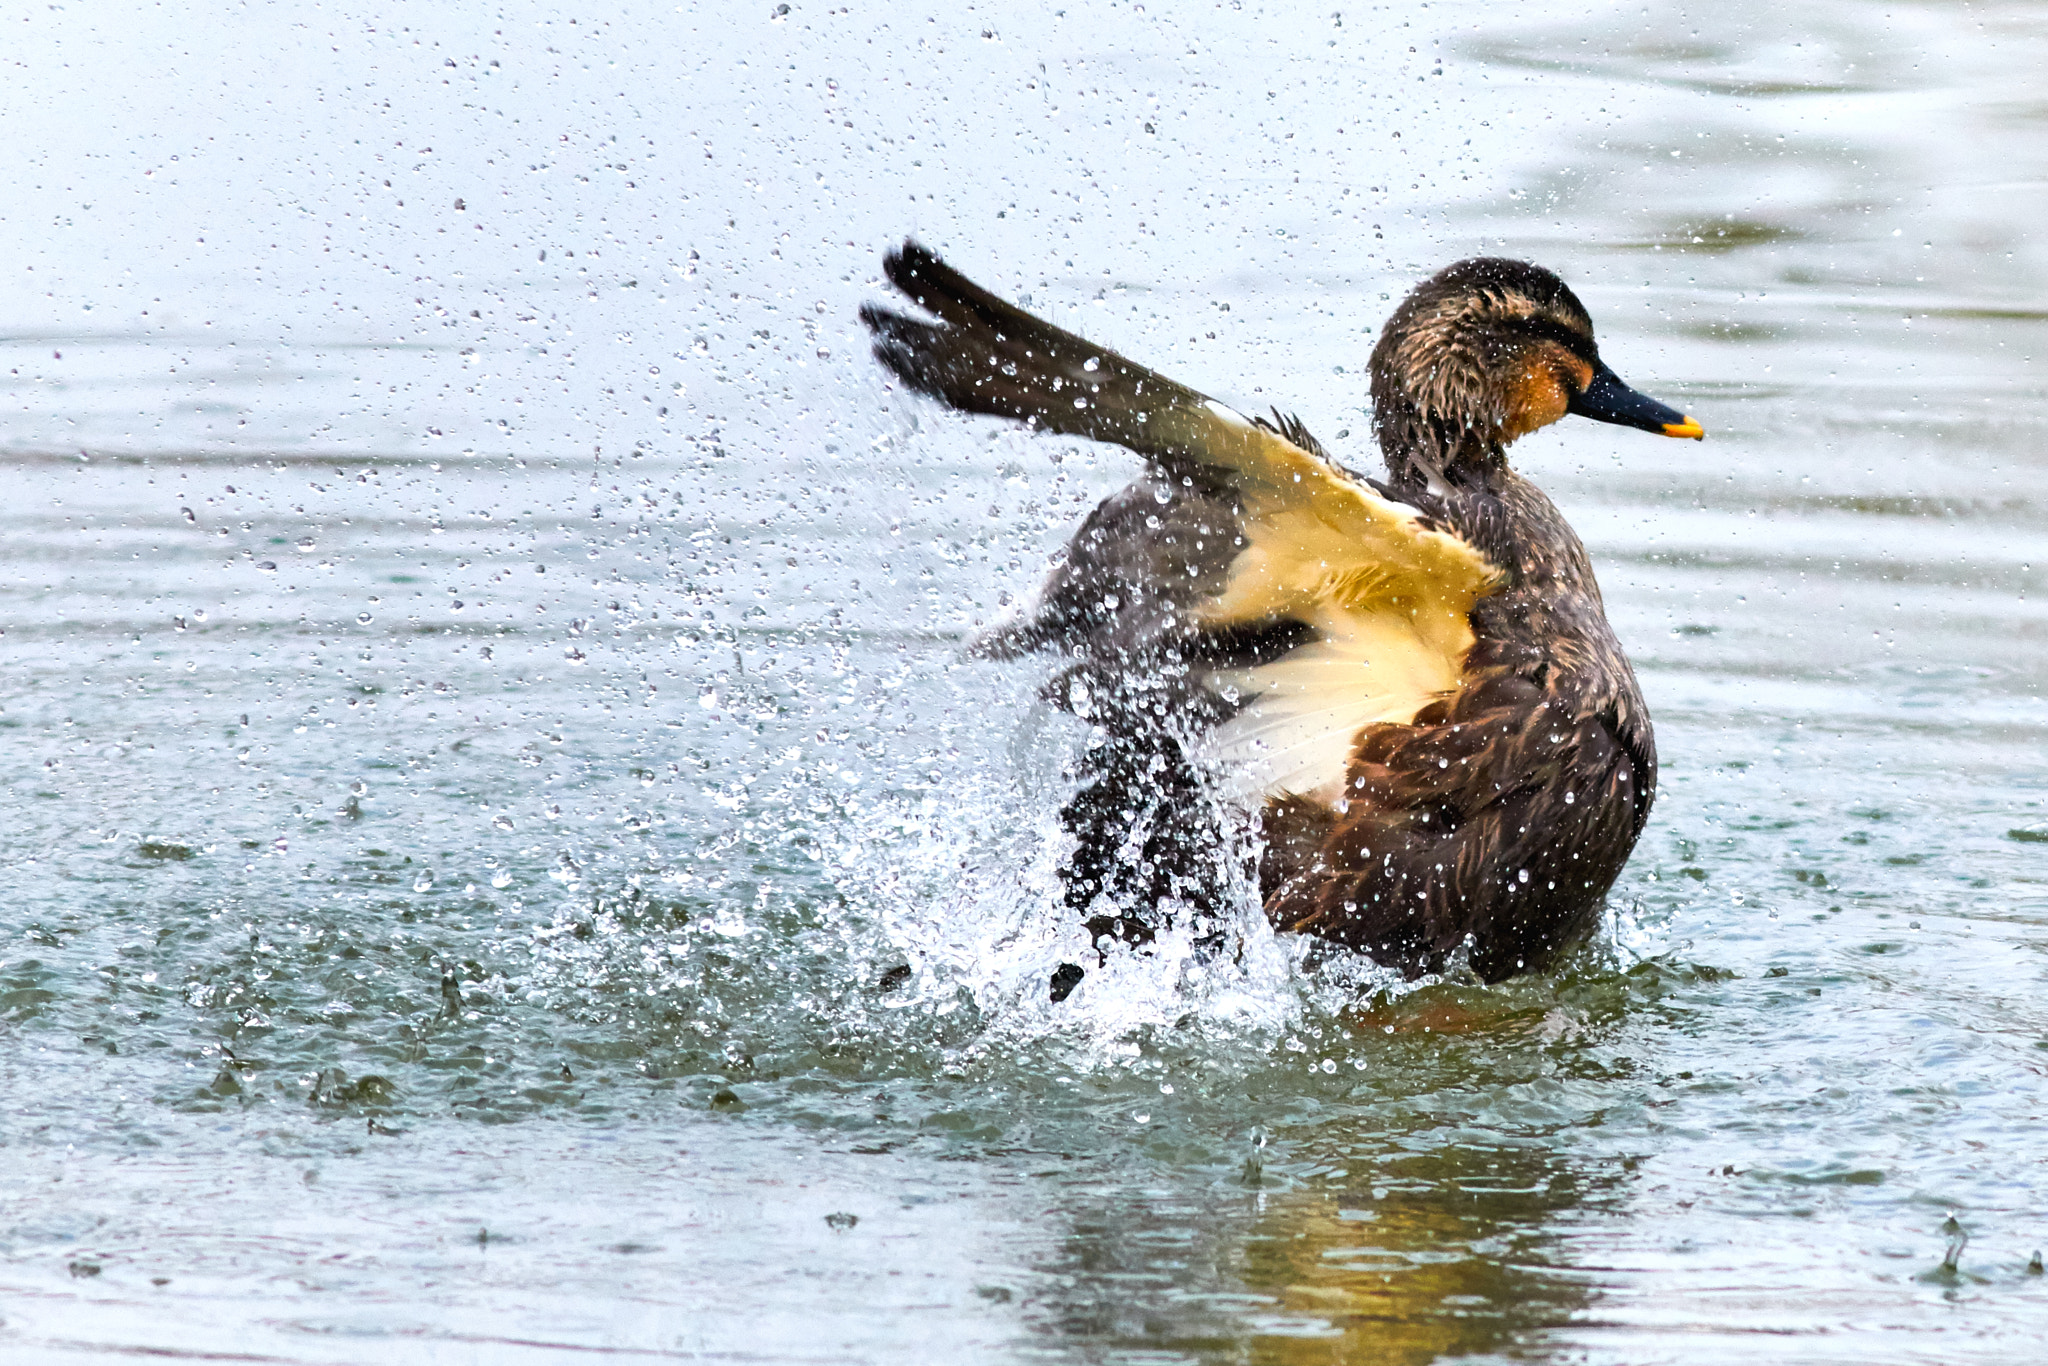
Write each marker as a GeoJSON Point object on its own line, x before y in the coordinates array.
{"type": "Point", "coordinates": [1410, 687]}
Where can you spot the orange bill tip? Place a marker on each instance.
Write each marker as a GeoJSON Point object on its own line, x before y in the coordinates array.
{"type": "Point", "coordinates": [1685, 426]}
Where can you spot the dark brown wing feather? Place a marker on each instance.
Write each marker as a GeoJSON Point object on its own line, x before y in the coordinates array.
{"type": "Point", "coordinates": [1120, 600]}
{"type": "Point", "coordinates": [1130, 579]}
{"type": "Point", "coordinates": [985, 355]}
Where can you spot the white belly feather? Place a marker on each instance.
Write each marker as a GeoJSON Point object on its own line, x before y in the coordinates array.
{"type": "Point", "coordinates": [1297, 735]}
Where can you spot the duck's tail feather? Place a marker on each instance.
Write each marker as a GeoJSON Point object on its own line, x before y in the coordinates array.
{"type": "Point", "coordinates": [988, 356]}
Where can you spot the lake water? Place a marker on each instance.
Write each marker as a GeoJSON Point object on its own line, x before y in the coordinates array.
{"type": "Point", "coordinates": [508, 861]}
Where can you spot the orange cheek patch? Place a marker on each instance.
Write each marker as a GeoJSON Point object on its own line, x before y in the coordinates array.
{"type": "Point", "coordinates": [1537, 401]}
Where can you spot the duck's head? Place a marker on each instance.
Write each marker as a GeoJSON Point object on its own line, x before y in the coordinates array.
{"type": "Point", "coordinates": [1487, 351]}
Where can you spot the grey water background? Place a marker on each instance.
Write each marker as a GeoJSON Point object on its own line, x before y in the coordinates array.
{"type": "Point", "coordinates": [506, 859]}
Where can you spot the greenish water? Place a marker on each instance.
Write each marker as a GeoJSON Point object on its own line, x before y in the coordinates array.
{"type": "Point", "coordinates": [507, 859]}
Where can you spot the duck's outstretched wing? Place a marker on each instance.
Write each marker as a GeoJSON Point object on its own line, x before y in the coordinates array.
{"type": "Point", "coordinates": [1238, 534]}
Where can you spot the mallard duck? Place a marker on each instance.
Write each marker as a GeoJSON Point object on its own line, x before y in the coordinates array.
{"type": "Point", "coordinates": [1405, 686]}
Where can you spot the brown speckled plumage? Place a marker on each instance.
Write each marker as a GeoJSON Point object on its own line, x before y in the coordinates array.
{"type": "Point", "coordinates": [1506, 811]}
{"type": "Point", "coordinates": [1494, 810]}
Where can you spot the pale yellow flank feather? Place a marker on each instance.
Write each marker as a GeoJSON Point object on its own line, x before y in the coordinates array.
{"type": "Point", "coordinates": [1387, 596]}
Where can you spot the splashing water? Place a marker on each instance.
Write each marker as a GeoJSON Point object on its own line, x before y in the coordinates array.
{"type": "Point", "coordinates": [488, 744]}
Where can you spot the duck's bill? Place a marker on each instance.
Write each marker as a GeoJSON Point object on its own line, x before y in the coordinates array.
{"type": "Point", "coordinates": [1607, 399]}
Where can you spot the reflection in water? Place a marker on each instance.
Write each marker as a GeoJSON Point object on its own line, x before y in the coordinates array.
{"type": "Point", "coordinates": [1415, 1201]}
{"type": "Point", "coordinates": [1444, 1253]}
{"type": "Point", "coordinates": [1433, 1248]}
{"type": "Point", "coordinates": [478, 684]}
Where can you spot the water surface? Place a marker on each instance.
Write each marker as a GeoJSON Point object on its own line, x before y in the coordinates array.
{"type": "Point", "coordinates": [508, 858]}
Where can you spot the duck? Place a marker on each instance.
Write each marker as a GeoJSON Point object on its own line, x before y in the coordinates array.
{"type": "Point", "coordinates": [1393, 705]}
